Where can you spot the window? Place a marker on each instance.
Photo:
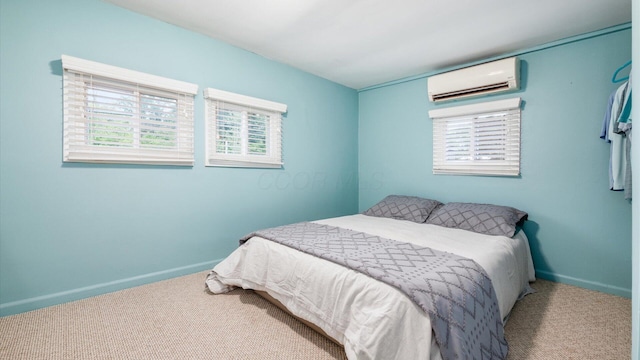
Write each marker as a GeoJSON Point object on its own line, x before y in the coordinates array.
{"type": "Point", "coordinates": [242, 131]}
{"type": "Point", "coordinates": [477, 139]}
{"type": "Point", "coordinates": [115, 115]}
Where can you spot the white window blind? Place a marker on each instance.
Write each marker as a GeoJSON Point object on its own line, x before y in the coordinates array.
{"type": "Point", "coordinates": [477, 139]}
{"type": "Point", "coordinates": [242, 131]}
{"type": "Point", "coordinates": [115, 115]}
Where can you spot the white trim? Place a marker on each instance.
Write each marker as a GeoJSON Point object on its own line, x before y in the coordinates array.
{"type": "Point", "coordinates": [242, 164]}
{"type": "Point", "coordinates": [491, 106]}
{"type": "Point", "coordinates": [85, 94]}
{"type": "Point", "coordinates": [225, 96]}
{"type": "Point", "coordinates": [113, 72]}
{"type": "Point", "coordinates": [477, 139]}
{"type": "Point", "coordinates": [215, 99]}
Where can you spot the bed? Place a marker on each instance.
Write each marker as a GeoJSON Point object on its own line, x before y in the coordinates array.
{"type": "Point", "coordinates": [370, 318]}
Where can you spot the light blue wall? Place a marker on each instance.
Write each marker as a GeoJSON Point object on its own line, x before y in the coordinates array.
{"type": "Point", "coordinates": [580, 232]}
{"type": "Point", "coordinates": [72, 230]}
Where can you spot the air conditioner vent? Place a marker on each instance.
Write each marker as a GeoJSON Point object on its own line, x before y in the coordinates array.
{"type": "Point", "coordinates": [473, 91]}
{"type": "Point", "coordinates": [493, 77]}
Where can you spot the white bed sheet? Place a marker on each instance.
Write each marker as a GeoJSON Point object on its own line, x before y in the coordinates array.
{"type": "Point", "coordinates": [371, 319]}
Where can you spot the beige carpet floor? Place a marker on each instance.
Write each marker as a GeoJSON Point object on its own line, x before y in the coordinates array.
{"type": "Point", "coordinates": [176, 319]}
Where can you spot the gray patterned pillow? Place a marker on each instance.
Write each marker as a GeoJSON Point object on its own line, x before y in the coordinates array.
{"type": "Point", "coordinates": [410, 208]}
{"type": "Point", "coordinates": [481, 218]}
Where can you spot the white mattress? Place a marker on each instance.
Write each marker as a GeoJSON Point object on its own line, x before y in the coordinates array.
{"type": "Point", "coordinates": [371, 319]}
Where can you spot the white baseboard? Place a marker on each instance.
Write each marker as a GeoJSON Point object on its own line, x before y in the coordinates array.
{"type": "Point", "coordinates": [15, 307]}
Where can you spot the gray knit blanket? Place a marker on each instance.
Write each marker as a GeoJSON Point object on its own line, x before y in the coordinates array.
{"type": "Point", "coordinates": [454, 291]}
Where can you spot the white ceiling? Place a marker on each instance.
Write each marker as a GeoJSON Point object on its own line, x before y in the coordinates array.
{"type": "Point", "coordinates": [360, 43]}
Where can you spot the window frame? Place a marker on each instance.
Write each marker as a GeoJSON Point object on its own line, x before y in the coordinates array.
{"type": "Point", "coordinates": [497, 123]}
{"type": "Point", "coordinates": [248, 107]}
{"type": "Point", "coordinates": [82, 77]}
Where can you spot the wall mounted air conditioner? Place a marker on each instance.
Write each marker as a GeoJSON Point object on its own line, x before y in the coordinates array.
{"type": "Point", "coordinates": [488, 78]}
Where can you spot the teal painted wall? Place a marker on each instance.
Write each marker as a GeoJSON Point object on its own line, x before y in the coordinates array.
{"type": "Point", "coordinates": [580, 232]}
{"type": "Point", "coordinates": [68, 231]}
{"type": "Point", "coordinates": [71, 231]}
